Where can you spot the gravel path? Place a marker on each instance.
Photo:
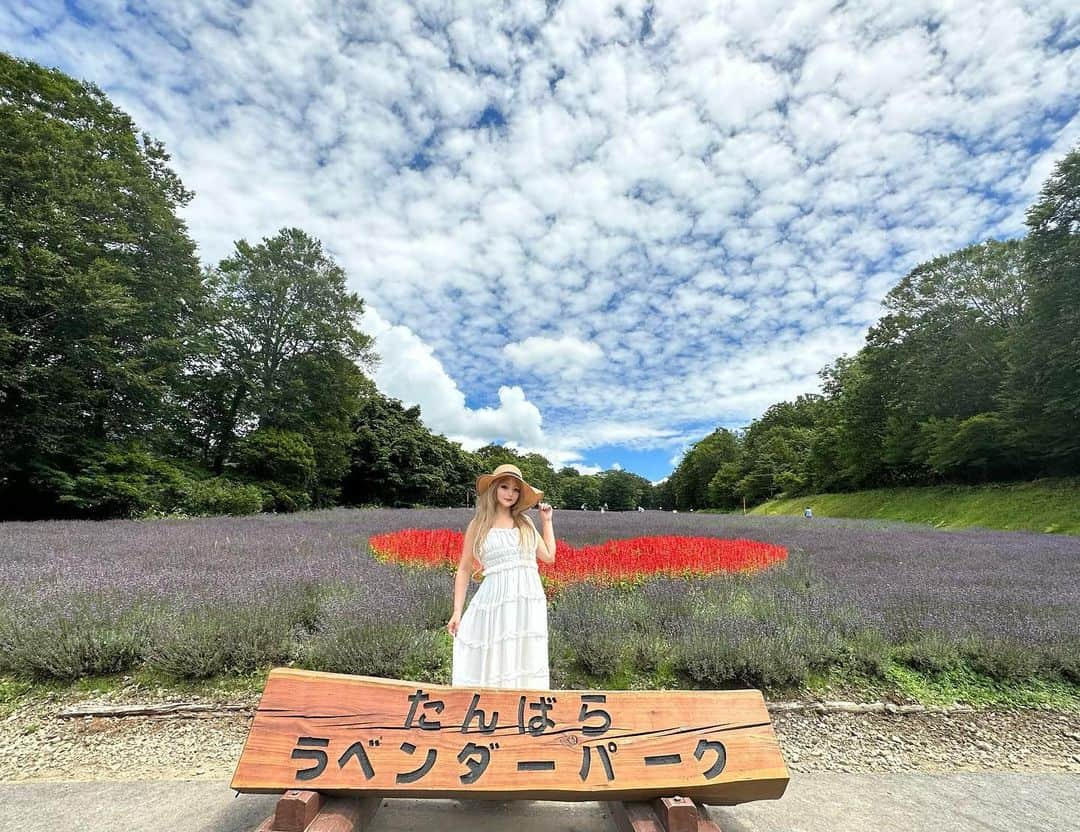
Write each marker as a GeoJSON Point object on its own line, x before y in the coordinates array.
{"type": "Point", "coordinates": [35, 744]}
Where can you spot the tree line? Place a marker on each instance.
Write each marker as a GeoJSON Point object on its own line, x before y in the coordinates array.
{"type": "Point", "coordinates": [134, 381]}
{"type": "Point", "coordinates": [972, 375]}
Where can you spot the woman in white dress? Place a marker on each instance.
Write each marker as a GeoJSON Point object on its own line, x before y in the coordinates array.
{"type": "Point", "coordinates": [501, 640]}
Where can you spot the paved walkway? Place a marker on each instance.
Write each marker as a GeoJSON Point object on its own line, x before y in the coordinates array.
{"type": "Point", "coordinates": [814, 802]}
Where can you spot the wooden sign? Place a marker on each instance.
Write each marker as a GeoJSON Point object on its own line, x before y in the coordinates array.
{"type": "Point", "coordinates": [357, 735]}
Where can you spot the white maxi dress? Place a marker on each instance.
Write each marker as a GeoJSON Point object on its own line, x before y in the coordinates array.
{"type": "Point", "coordinates": [502, 640]}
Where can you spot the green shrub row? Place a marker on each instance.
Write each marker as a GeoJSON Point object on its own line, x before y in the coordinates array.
{"type": "Point", "coordinates": [131, 481]}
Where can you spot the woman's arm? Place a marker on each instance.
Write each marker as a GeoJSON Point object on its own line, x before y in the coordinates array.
{"type": "Point", "coordinates": [545, 545]}
{"type": "Point", "coordinates": [461, 580]}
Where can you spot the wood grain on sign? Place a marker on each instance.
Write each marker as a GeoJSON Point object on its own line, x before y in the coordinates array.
{"type": "Point", "coordinates": [356, 735]}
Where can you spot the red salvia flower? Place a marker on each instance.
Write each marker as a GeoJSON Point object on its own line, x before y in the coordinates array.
{"type": "Point", "coordinates": [629, 560]}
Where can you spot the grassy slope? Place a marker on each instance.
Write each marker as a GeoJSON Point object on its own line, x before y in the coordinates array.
{"type": "Point", "coordinates": [1042, 506]}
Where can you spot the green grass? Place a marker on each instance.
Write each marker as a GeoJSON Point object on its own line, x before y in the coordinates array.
{"type": "Point", "coordinates": [900, 683]}
{"type": "Point", "coordinates": [1041, 506]}
{"type": "Point", "coordinates": [15, 691]}
{"type": "Point", "coordinates": [217, 687]}
{"type": "Point", "coordinates": [960, 686]}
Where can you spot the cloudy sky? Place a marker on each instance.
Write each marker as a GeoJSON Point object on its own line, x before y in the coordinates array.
{"type": "Point", "coordinates": [595, 230]}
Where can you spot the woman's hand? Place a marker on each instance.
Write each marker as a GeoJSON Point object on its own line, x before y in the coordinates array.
{"type": "Point", "coordinates": [545, 512]}
{"type": "Point", "coordinates": [455, 621]}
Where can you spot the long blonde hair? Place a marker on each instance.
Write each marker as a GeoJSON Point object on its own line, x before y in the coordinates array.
{"type": "Point", "coordinates": [484, 520]}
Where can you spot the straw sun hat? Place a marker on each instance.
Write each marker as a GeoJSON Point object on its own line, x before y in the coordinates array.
{"type": "Point", "coordinates": [529, 495]}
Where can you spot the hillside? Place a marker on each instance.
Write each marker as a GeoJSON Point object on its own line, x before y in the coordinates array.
{"type": "Point", "coordinates": [1042, 505]}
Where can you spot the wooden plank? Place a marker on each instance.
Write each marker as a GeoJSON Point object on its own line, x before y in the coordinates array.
{"type": "Point", "coordinates": [705, 823]}
{"type": "Point", "coordinates": [296, 809]}
{"type": "Point", "coordinates": [662, 815]}
{"type": "Point", "coordinates": [634, 816]}
{"type": "Point", "coordinates": [345, 814]}
{"type": "Point", "coordinates": [676, 814]}
{"type": "Point", "coordinates": [335, 814]}
{"type": "Point", "coordinates": [356, 735]}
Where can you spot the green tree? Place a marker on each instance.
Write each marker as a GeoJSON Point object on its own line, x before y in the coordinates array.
{"type": "Point", "coordinates": [579, 490]}
{"type": "Point", "coordinates": [824, 462]}
{"type": "Point", "coordinates": [724, 489]}
{"type": "Point", "coordinates": [99, 283]}
{"type": "Point", "coordinates": [562, 477]}
{"type": "Point", "coordinates": [1044, 381]}
{"type": "Point", "coordinates": [776, 452]}
{"type": "Point", "coordinates": [286, 353]}
{"type": "Point", "coordinates": [978, 448]}
{"type": "Point", "coordinates": [942, 349]}
{"type": "Point", "coordinates": [397, 461]}
{"type": "Point", "coordinates": [665, 495]}
{"type": "Point", "coordinates": [277, 455]}
{"type": "Point", "coordinates": [539, 473]}
{"type": "Point", "coordinates": [621, 490]}
{"type": "Point", "coordinates": [491, 456]}
{"type": "Point", "coordinates": [643, 491]}
{"type": "Point", "coordinates": [316, 398]}
{"type": "Point", "coordinates": [689, 482]}
{"type": "Point", "coordinates": [282, 462]}
{"type": "Point", "coordinates": [857, 391]}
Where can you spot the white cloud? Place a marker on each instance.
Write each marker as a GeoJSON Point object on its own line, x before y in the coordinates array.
{"type": "Point", "coordinates": [665, 222]}
{"type": "Point", "coordinates": [566, 356]}
{"type": "Point", "coordinates": [409, 371]}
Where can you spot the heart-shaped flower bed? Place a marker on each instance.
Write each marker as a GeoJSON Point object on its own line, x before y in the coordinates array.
{"type": "Point", "coordinates": [628, 560]}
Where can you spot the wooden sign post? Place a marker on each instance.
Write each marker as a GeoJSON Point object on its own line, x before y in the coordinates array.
{"type": "Point", "coordinates": [356, 736]}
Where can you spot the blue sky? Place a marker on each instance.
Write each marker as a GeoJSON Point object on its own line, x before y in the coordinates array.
{"type": "Point", "coordinates": [594, 230]}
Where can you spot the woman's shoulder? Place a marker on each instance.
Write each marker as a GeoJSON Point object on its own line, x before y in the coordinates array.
{"type": "Point", "coordinates": [529, 534]}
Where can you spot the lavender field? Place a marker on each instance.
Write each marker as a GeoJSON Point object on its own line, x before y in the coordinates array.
{"type": "Point", "coordinates": [198, 598]}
